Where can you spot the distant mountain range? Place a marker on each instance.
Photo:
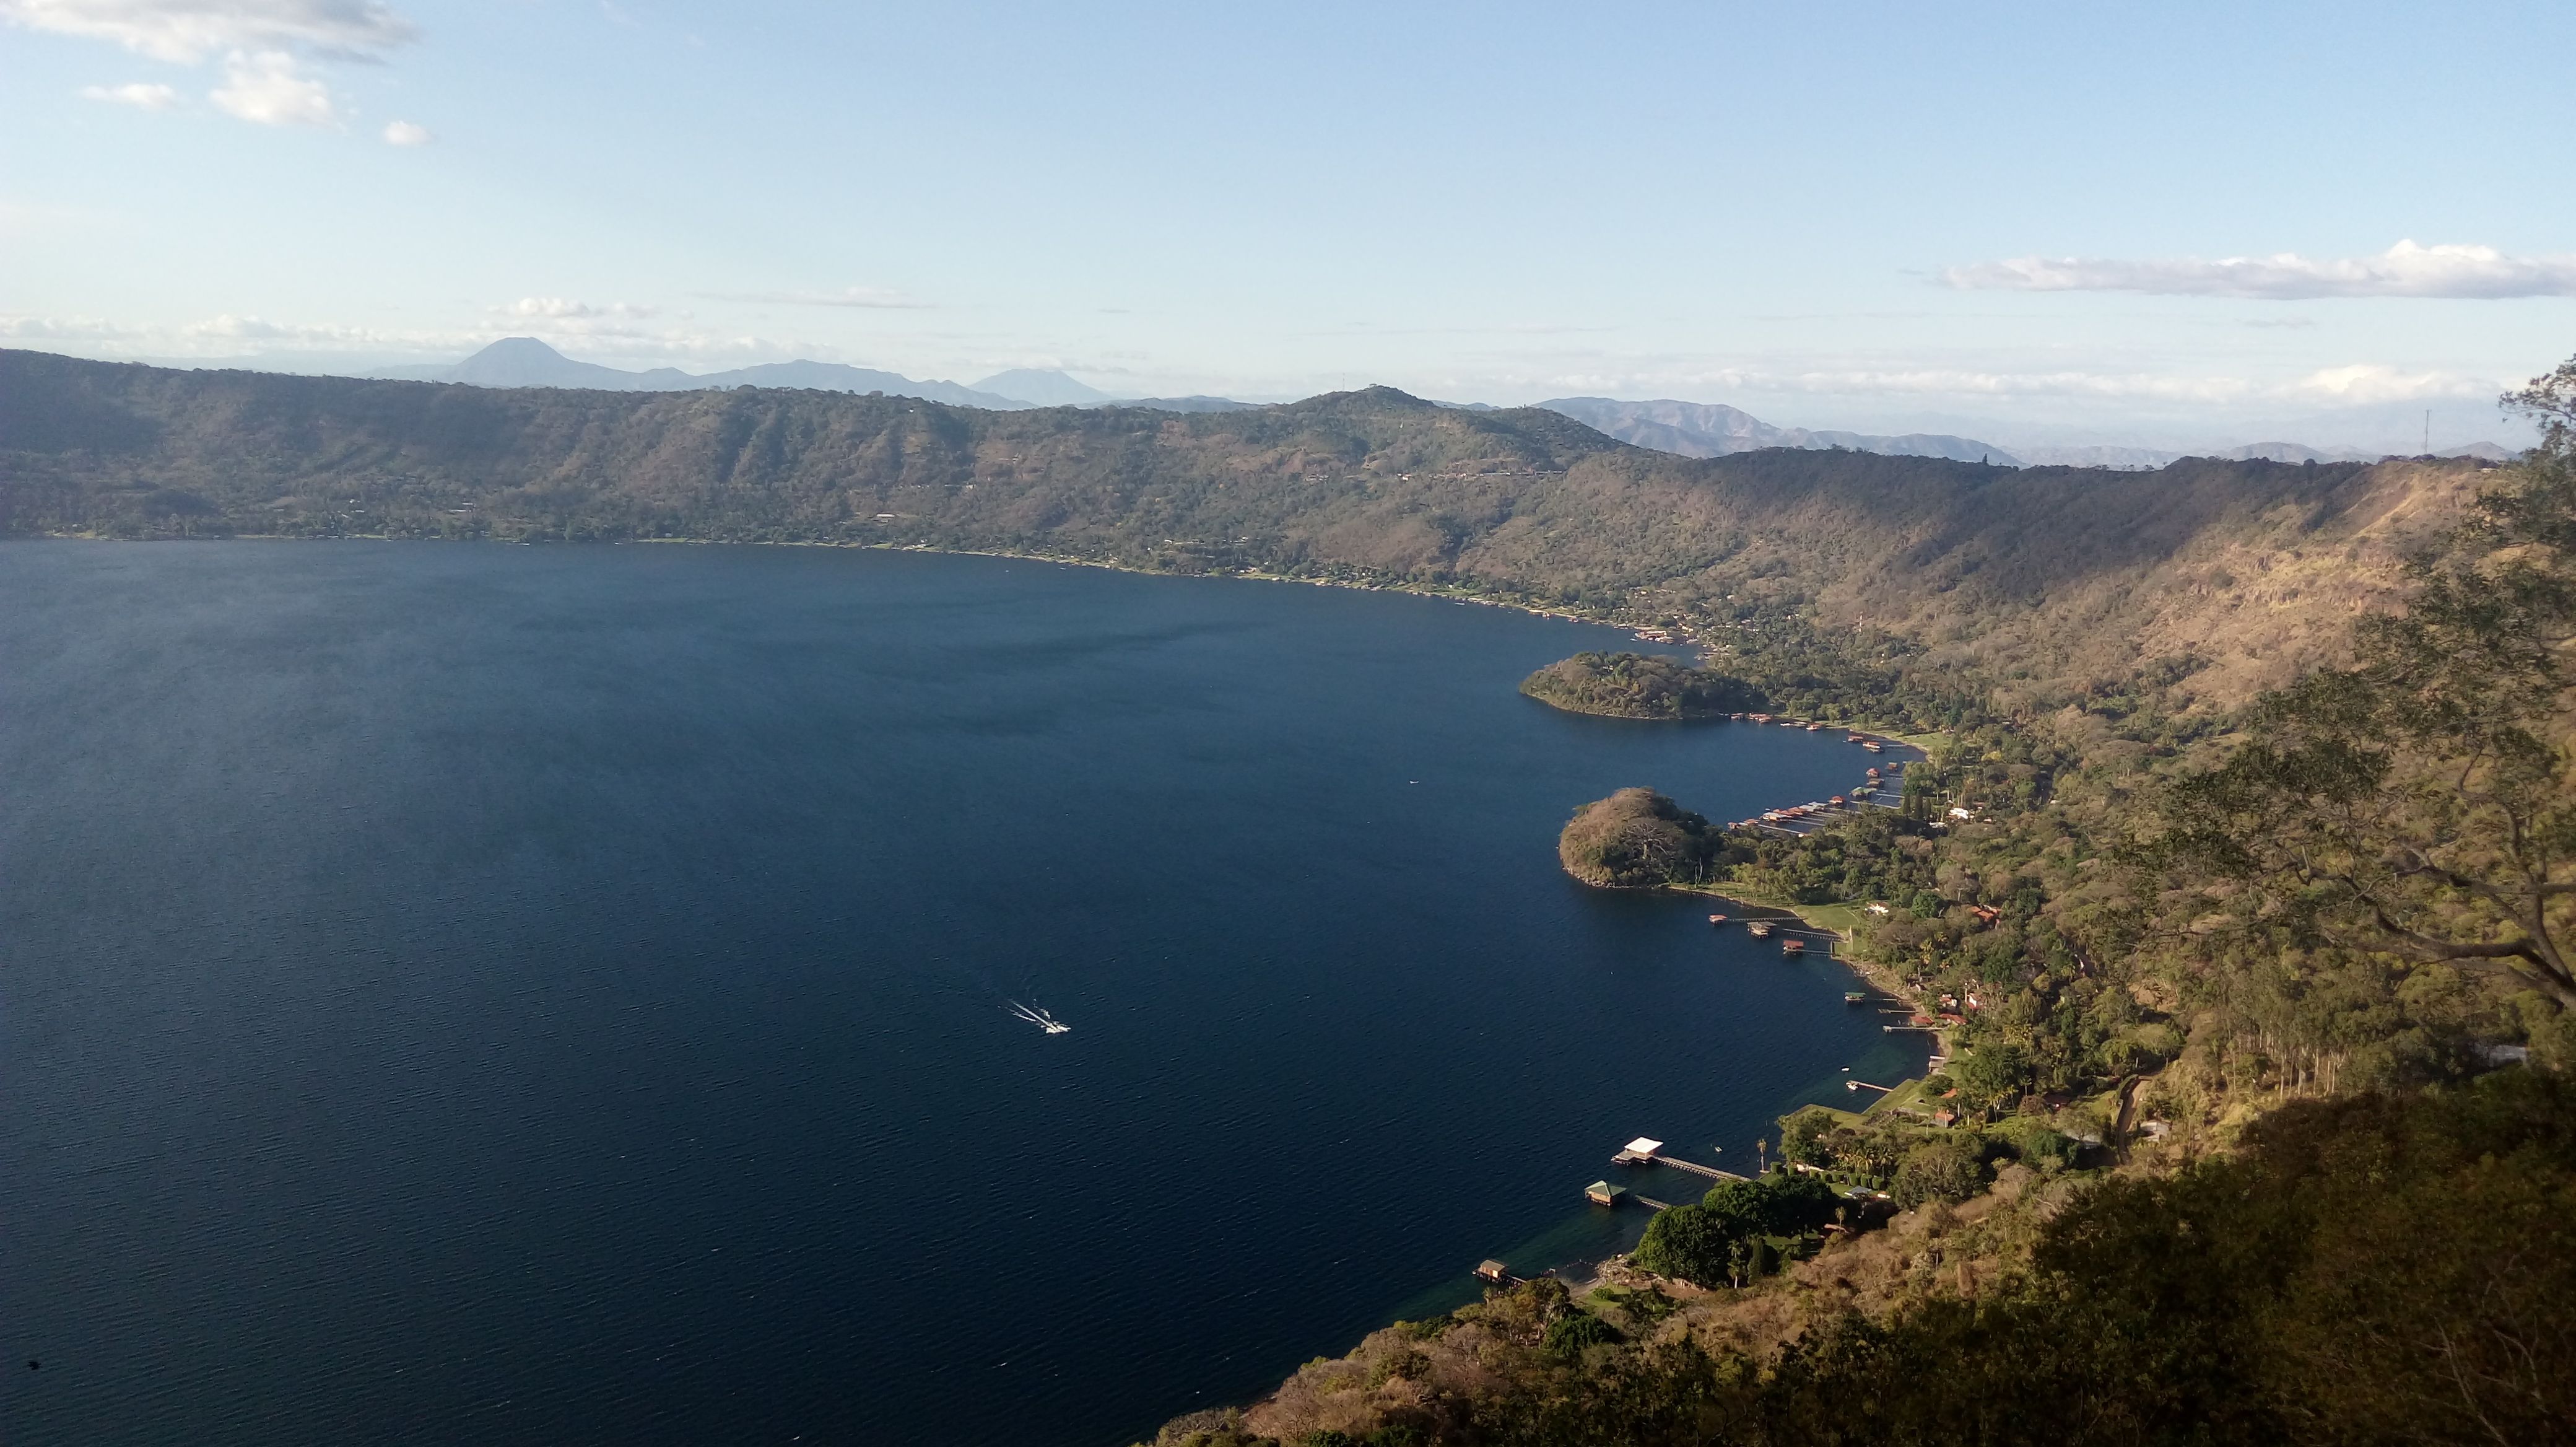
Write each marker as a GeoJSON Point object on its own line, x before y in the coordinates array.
{"type": "Point", "coordinates": [1041, 388]}
{"type": "Point", "coordinates": [527, 362]}
{"type": "Point", "coordinates": [1711, 429]}
{"type": "Point", "coordinates": [1689, 429]}
{"type": "Point", "coordinates": [1707, 429]}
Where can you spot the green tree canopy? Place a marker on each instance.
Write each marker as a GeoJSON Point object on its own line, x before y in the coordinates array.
{"type": "Point", "coordinates": [1636, 839]}
{"type": "Point", "coordinates": [2422, 802]}
{"type": "Point", "coordinates": [1638, 685]}
{"type": "Point", "coordinates": [1939, 1170]}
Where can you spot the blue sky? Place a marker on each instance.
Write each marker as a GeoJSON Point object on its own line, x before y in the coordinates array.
{"type": "Point", "coordinates": [2007, 217]}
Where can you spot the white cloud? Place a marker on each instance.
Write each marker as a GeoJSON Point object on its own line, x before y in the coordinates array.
{"type": "Point", "coordinates": [231, 329]}
{"type": "Point", "coordinates": [406, 133]}
{"type": "Point", "coordinates": [2363, 384]}
{"type": "Point", "coordinates": [556, 308]}
{"type": "Point", "coordinates": [870, 297]}
{"type": "Point", "coordinates": [2406, 269]}
{"type": "Point", "coordinates": [139, 94]}
{"type": "Point", "coordinates": [266, 45]}
{"type": "Point", "coordinates": [65, 329]}
{"type": "Point", "coordinates": [1933, 382]}
{"type": "Point", "coordinates": [187, 31]}
{"type": "Point", "coordinates": [608, 334]}
{"type": "Point", "coordinates": [2357, 384]}
{"type": "Point", "coordinates": [266, 87]}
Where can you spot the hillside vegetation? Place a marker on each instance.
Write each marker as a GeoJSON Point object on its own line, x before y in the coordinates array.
{"type": "Point", "coordinates": [2230, 572]}
{"type": "Point", "coordinates": [1637, 685]}
{"type": "Point", "coordinates": [2255, 1123]}
{"type": "Point", "coordinates": [2363, 1271]}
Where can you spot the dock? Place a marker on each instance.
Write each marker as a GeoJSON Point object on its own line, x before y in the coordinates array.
{"type": "Point", "coordinates": [1647, 1151]}
{"type": "Point", "coordinates": [1694, 1167]}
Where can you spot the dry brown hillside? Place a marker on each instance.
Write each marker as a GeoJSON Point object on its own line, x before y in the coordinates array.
{"type": "Point", "coordinates": [2056, 575]}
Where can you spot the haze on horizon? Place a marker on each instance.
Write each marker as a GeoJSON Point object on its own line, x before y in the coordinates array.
{"type": "Point", "coordinates": [2174, 225]}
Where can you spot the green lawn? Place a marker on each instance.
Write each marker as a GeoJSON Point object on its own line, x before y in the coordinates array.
{"type": "Point", "coordinates": [1905, 1096]}
{"type": "Point", "coordinates": [1840, 918]}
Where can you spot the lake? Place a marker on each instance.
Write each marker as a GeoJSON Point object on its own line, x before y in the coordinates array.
{"type": "Point", "coordinates": [468, 993]}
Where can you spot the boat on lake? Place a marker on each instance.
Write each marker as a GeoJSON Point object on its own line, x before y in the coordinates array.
{"type": "Point", "coordinates": [1855, 997]}
{"type": "Point", "coordinates": [1040, 1018]}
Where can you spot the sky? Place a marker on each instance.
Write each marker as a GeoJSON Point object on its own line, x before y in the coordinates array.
{"type": "Point", "coordinates": [2156, 224]}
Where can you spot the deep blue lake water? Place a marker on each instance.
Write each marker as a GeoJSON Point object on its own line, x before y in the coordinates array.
{"type": "Point", "coordinates": [558, 995]}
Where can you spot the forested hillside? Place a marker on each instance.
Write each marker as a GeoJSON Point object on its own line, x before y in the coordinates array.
{"type": "Point", "coordinates": [2234, 571]}
{"type": "Point", "coordinates": [2251, 1121]}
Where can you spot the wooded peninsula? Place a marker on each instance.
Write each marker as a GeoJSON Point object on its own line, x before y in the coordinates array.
{"type": "Point", "coordinates": [1635, 685]}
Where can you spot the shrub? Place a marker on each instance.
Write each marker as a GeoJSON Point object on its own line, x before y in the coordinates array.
{"type": "Point", "coordinates": [1941, 1170]}
{"type": "Point", "coordinates": [1569, 1334]}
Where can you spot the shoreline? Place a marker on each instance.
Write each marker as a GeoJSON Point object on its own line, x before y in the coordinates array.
{"type": "Point", "coordinates": [1876, 976]}
{"type": "Point", "coordinates": [1416, 590]}
{"type": "Point", "coordinates": [1703, 646]}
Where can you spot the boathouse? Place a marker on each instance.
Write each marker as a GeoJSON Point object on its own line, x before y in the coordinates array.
{"type": "Point", "coordinates": [1638, 1152]}
{"type": "Point", "coordinates": [1494, 1271]}
{"type": "Point", "coordinates": [1602, 1193]}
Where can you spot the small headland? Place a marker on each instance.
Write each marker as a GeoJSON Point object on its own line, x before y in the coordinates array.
{"type": "Point", "coordinates": [1637, 839]}
{"type": "Point", "coordinates": [1643, 686]}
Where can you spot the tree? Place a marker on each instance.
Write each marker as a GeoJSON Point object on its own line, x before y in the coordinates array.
{"type": "Point", "coordinates": [2422, 802]}
{"type": "Point", "coordinates": [1797, 1202]}
{"type": "Point", "coordinates": [1938, 1170]}
{"type": "Point", "coordinates": [1689, 1243]}
{"type": "Point", "coordinates": [1719, 1238]}
{"type": "Point", "coordinates": [1991, 1074]}
{"type": "Point", "coordinates": [1803, 1134]}
{"type": "Point", "coordinates": [1570, 1333]}
{"type": "Point", "coordinates": [1636, 839]}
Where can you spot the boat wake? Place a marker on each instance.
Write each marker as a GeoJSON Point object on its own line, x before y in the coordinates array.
{"type": "Point", "coordinates": [1039, 1018]}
